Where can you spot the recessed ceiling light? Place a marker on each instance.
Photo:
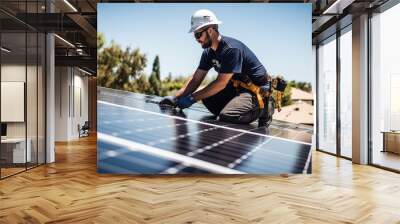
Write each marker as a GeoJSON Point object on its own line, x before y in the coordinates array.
{"type": "Point", "coordinates": [71, 6]}
{"type": "Point", "coordinates": [64, 40]}
{"type": "Point", "coordinates": [5, 50]}
{"type": "Point", "coordinates": [86, 72]}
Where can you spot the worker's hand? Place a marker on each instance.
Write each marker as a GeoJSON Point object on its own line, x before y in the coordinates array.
{"type": "Point", "coordinates": [185, 101]}
{"type": "Point", "coordinates": [168, 100]}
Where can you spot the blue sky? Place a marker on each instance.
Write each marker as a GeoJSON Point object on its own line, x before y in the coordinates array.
{"type": "Point", "coordinates": [279, 34]}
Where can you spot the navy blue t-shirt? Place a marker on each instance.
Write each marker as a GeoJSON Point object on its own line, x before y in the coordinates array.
{"type": "Point", "coordinates": [232, 56]}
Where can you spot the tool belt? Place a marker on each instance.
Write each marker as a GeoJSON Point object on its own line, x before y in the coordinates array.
{"type": "Point", "coordinates": [263, 94]}
{"type": "Point", "coordinates": [256, 90]}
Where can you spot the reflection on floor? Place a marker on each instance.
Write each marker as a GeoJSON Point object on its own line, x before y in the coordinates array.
{"type": "Point", "coordinates": [387, 159]}
{"type": "Point", "coordinates": [10, 169]}
{"type": "Point", "coordinates": [136, 135]}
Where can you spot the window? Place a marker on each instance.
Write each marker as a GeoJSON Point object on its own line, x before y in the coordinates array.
{"type": "Point", "coordinates": [346, 92]}
{"type": "Point", "coordinates": [385, 87]}
{"type": "Point", "coordinates": [327, 96]}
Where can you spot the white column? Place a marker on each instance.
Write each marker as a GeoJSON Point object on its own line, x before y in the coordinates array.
{"type": "Point", "coordinates": [50, 92]}
{"type": "Point", "coordinates": [50, 99]}
{"type": "Point", "coordinates": [360, 90]}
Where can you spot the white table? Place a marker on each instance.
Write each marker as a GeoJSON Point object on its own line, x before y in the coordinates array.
{"type": "Point", "coordinates": [19, 149]}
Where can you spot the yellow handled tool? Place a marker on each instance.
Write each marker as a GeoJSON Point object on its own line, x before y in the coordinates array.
{"type": "Point", "coordinates": [278, 84]}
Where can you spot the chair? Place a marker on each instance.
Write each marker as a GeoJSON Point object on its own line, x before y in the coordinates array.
{"type": "Point", "coordinates": [84, 130]}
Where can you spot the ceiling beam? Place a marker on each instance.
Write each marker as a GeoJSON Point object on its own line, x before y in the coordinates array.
{"type": "Point", "coordinates": [338, 6]}
{"type": "Point", "coordinates": [83, 23]}
{"type": "Point", "coordinates": [78, 61]}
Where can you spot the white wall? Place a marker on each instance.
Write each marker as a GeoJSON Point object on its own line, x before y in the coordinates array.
{"type": "Point", "coordinates": [71, 94]}
{"type": "Point", "coordinates": [16, 73]}
{"type": "Point", "coordinates": [62, 81]}
{"type": "Point", "coordinates": [13, 72]}
{"type": "Point", "coordinates": [80, 110]}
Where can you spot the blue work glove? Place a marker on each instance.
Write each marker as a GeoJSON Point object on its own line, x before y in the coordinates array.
{"type": "Point", "coordinates": [185, 101]}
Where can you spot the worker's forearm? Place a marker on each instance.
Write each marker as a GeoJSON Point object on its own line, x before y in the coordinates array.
{"type": "Point", "coordinates": [189, 87]}
{"type": "Point", "coordinates": [184, 89]}
{"type": "Point", "coordinates": [210, 90]}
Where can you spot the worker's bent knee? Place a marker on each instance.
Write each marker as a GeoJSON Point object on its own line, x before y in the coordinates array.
{"type": "Point", "coordinates": [228, 118]}
{"type": "Point", "coordinates": [239, 118]}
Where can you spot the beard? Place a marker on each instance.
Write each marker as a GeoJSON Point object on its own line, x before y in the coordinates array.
{"type": "Point", "coordinates": [207, 42]}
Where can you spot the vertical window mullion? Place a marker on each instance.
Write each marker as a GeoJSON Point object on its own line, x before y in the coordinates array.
{"type": "Point", "coordinates": [317, 96]}
{"type": "Point", "coordinates": [338, 73]}
{"type": "Point", "coordinates": [369, 100]}
{"type": "Point", "coordinates": [26, 85]}
{"type": "Point", "coordinates": [37, 89]}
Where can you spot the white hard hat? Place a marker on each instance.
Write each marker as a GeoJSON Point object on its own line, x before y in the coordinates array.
{"type": "Point", "coordinates": [202, 18]}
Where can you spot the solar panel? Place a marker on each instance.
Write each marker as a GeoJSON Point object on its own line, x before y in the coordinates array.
{"type": "Point", "coordinates": [136, 135]}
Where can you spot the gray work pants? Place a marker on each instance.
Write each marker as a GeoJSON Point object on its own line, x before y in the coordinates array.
{"type": "Point", "coordinates": [233, 106]}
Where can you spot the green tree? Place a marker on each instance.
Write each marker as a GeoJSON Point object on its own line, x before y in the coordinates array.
{"type": "Point", "coordinates": [156, 67]}
{"type": "Point", "coordinates": [287, 98]}
{"type": "Point", "coordinates": [170, 84]}
{"type": "Point", "coordinates": [101, 40]}
{"type": "Point", "coordinates": [108, 60]}
{"type": "Point", "coordinates": [154, 79]}
{"type": "Point", "coordinates": [305, 86]}
{"type": "Point", "coordinates": [123, 69]}
{"type": "Point", "coordinates": [130, 67]}
{"type": "Point", "coordinates": [141, 85]}
{"type": "Point", "coordinates": [119, 68]}
{"type": "Point", "coordinates": [169, 77]}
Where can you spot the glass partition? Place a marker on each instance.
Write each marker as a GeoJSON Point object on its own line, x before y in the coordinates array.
{"type": "Point", "coordinates": [22, 87]}
{"type": "Point", "coordinates": [13, 105]}
{"type": "Point", "coordinates": [31, 100]}
{"type": "Point", "coordinates": [327, 95]}
{"type": "Point", "coordinates": [346, 93]}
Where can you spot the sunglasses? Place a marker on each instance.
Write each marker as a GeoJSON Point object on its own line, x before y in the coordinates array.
{"type": "Point", "coordinates": [199, 34]}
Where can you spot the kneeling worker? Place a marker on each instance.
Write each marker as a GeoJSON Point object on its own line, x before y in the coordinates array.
{"type": "Point", "coordinates": [241, 91]}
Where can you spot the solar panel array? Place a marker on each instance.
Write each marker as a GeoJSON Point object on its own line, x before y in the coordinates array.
{"type": "Point", "coordinates": [137, 136]}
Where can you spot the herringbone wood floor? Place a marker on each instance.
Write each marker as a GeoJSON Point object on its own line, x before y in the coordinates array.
{"type": "Point", "coordinates": [70, 191]}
